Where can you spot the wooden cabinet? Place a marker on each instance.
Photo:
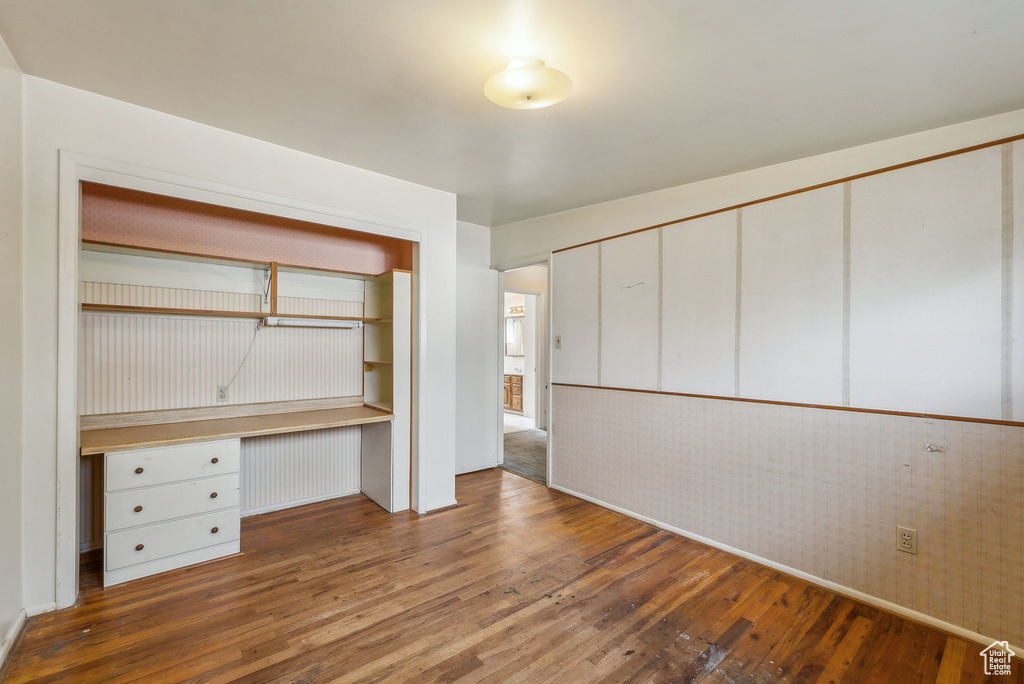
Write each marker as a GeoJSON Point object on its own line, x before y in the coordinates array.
{"type": "Point", "coordinates": [514, 392]}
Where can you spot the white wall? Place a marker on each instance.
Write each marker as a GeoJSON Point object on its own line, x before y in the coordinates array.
{"type": "Point", "coordinates": [895, 292]}
{"type": "Point", "coordinates": [58, 117]}
{"type": "Point", "coordinates": [530, 241]}
{"type": "Point", "coordinates": [888, 292]}
{"type": "Point", "coordinates": [11, 349]}
{"type": "Point", "coordinates": [477, 390]}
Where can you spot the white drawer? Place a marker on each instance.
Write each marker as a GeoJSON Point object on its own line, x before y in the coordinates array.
{"type": "Point", "coordinates": [143, 544]}
{"type": "Point", "coordinates": [134, 507]}
{"type": "Point", "coordinates": [160, 465]}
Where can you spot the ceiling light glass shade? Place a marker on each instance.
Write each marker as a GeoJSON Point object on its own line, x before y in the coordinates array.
{"type": "Point", "coordinates": [527, 84]}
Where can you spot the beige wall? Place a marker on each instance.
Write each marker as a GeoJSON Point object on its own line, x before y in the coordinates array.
{"type": "Point", "coordinates": [11, 602]}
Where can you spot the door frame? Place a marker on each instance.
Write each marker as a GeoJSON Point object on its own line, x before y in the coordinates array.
{"type": "Point", "coordinates": [542, 391]}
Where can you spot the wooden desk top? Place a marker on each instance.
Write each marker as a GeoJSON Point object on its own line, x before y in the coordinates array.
{"type": "Point", "coordinates": [105, 440]}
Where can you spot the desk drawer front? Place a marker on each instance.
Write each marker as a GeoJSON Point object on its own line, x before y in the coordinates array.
{"type": "Point", "coordinates": [151, 542]}
{"type": "Point", "coordinates": [160, 465]}
{"type": "Point", "coordinates": [134, 507]}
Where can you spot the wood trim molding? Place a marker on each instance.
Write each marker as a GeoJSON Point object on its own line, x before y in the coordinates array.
{"type": "Point", "coordinates": [827, 407]}
{"type": "Point", "coordinates": [838, 181]}
{"type": "Point", "coordinates": [127, 308]}
{"type": "Point", "coordinates": [273, 287]}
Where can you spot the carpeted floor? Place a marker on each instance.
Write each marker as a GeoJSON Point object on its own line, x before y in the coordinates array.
{"type": "Point", "coordinates": [525, 448]}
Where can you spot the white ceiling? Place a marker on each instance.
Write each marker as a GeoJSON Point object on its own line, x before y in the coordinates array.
{"type": "Point", "coordinates": [666, 91]}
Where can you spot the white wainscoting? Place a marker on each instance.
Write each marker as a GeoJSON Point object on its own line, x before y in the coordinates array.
{"type": "Point", "coordinates": [168, 297]}
{"type": "Point", "coordinates": [304, 306]}
{"type": "Point", "coordinates": [279, 471]}
{"type": "Point", "coordinates": [816, 490]}
{"type": "Point", "coordinates": [152, 362]}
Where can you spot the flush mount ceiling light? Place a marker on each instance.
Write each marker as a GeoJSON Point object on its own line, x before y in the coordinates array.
{"type": "Point", "coordinates": [527, 84]}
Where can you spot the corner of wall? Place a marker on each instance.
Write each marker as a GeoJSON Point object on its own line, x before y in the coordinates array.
{"type": "Point", "coordinates": [12, 613]}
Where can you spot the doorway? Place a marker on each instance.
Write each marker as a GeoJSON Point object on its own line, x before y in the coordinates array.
{"type": "Point", "coordinates": [524, 372]}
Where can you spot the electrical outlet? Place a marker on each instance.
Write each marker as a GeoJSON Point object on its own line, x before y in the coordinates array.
{"type": "Point", "coordinates": [558, 341]}
{"type": "Point", "coordinates": [222, 393]}
{"type": "Point", "coordinates": [906, 540]}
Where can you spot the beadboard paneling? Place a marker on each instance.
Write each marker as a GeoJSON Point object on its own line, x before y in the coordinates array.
{"type": "Point", "coordinates": [758, 477]}
{"type": "Point", "coordinates": [304, 306]}
{"type": "Point", "coordinates": [299, 467]}
{"type": "Point", "coordinates": [149, 362]}
{"type": "Point", "coordinates": [169, 297]}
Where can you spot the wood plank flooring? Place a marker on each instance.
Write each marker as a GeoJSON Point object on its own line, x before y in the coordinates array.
{"type": "Point", "coordinates": [519, 583]}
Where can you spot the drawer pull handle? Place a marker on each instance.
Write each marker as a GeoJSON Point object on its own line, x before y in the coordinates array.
{"type": "Point", "coordinates": [213, 495]}
{"type": "Point", "coordinates": [138, 471]}
{"type": "Point", "coordinates": [215, 530]}
{"type": "Point", "coordinates": [139, 547]}
{"type": "Point", "coordinates": [138, 509]}
{"type": "Point", "coordinates": [214, 460]}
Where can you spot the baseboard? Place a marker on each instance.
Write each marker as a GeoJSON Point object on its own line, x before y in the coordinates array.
{"type": "Point", "coordinates": [40, 608]}
{"type": "Point", "coordinates": [11, 639]}
{"type": "Point", "coordinates": [807, 577]}
{"type": "Point", "coordinates": [451, 503]}
{"type": "Point", "coordinates": [298, 502]}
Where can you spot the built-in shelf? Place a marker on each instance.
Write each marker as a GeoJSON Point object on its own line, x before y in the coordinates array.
{"type": "Point", "coordinates": [124, 308]}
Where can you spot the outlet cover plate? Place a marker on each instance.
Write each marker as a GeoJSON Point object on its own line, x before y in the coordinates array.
{"type": "Point", "coordinates": [906, 540]}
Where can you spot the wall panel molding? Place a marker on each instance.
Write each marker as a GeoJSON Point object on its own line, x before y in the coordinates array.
{"type": "Point", "coordinates": [887, 292]}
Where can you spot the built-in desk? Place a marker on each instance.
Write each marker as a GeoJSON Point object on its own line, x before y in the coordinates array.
{"type": "Point", "coordinates": [171, 489]}
{"type": "Point", "coordinates": [105, 440]}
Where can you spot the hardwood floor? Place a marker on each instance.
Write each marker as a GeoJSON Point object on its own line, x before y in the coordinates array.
{"type": "Point", "coordinates": [519, 583]}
